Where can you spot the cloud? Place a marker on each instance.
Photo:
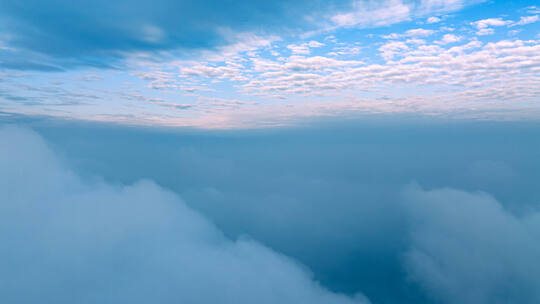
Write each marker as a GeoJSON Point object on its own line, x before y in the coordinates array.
{"type": "Point", "coordinates": [466, 248]}
{"type": "Point", "coordinates": [304, 48]}
{"type": "Point", "coordinates": [292, 87]}
{"type": "Point", "coordinates": [390, 49]}
{"type": "Point", "coordinates": [71, 35]}
{"type": "Point", "coordinates": [299, 49]}
{"type": "Point", "coordinates": [330, 195]}
{"type": "Point", "coordinates": [485, 31]}
{"type": "Point", "coordinates": [449, 38]}
{"type": "Point", "coordinates": [219, 72]}
{"type": "Point", "coordinates": [387, 12]}
{"type": "Point", "coordinates": [65, 240]}
{"type": "Point", "coordinates": [315, 44]}
{"type": "Point", "coordinates": [415, 62]}
{"type": "Point", "coordinates": [483, 26]}
{"type": "Point", "coordinates": [484, 23]}
{"type": "Point", "coordinates": [533, 9]}
{"type": "Point", "coordinates": [370, 14]}
{"type": "Point", "coordinates": [442, 5]}
{"type": "Point", "coordinates": [419, 32]}
{"type": "Point", "coordinates": [527, 19]}
{"type": "Point", "coordinates": [102, 32]}
{"type": "Point", "coordinates": [432, 20]}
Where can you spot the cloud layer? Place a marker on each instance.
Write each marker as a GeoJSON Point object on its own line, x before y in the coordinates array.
{"type": "Point", "coordinates": [65, 241]}
{"type": "Point", "coordinates": [337, 199]}
{"type": "Point", "coordinates": [465, 248]}
{"type": "Point", "coordinates": [260, 63]}
{"type": "Point", "coordinates": [87, 31]}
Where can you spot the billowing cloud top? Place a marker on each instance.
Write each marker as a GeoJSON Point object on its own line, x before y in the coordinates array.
{"type": "Point", "coordinates": [66, 241]}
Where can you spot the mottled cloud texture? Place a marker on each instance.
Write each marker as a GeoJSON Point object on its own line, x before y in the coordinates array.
{"type": "Point", "coordinates": [253, 64]}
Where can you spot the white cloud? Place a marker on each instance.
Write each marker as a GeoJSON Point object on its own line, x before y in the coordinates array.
{"type": "Point", "coordinates": [533, 9]}
{"type": "Point", "coordinates": [511, 76]}
{"type": "Point", "coordinates": [419, 63]}
{"type": "Point", "coordinates": [513, 32]}
{"type": "Point", "coordinates": [427, 6]}
{"type": "Point", "coordinates": [381, 13]}
{"type": "Point", "coordinates": [244, 42]}
{"type": "Point", "coordinates": [392, 36]}
{"type": "Point", "coordinates": [527, 20]}
{"type": "Point", "coordinates": [449, 38]}
{"type": "Point", "coordinates": [466, 248]}
{"type": "Point", "coordinates": [390, 49]}
{"type": "Point", "coordinates": [369, 14]}
{"type": "Point", "coordinates": [415, 41]}
{"type": "Point", "coordinates": [419, 32]}
{"type": "Point", "coordinates": [315, 44]}
{"type": "Point", "coordinates": [299, 63]}
{"type": "Point", "coordinates": [483, 26]}
{"type": "Point", "coordinates": [485, 32]}
{"type": "Point", "coordinates": [219, 72]}
{"type": "Point", "coordinates": [431, 20]}
{"type": "Point", "coordinates": [64, 239]}
{"type": "Point", "coordinates": [484, 23]}
{"type": "Point", "coordinates": [304, 48]}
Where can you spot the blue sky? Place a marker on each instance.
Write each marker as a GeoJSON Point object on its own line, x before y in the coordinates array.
{"type": "Point", "coordinates": [256, 64]}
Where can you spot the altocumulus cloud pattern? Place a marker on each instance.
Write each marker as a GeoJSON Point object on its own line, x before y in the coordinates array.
{"type": "Point", "coordinates": [65, 241]}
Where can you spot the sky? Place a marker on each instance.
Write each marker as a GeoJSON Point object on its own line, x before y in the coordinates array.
{"type": "Point", "coordinates": [333, 152]}
{"type": "Point", "coordinates": [249, 64]}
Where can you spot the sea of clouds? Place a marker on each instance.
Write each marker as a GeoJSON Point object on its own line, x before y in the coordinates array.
{"type": "Point", "coordinates": [336, 215]}
{"type": "Point", "coordinates": [65, 241]}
